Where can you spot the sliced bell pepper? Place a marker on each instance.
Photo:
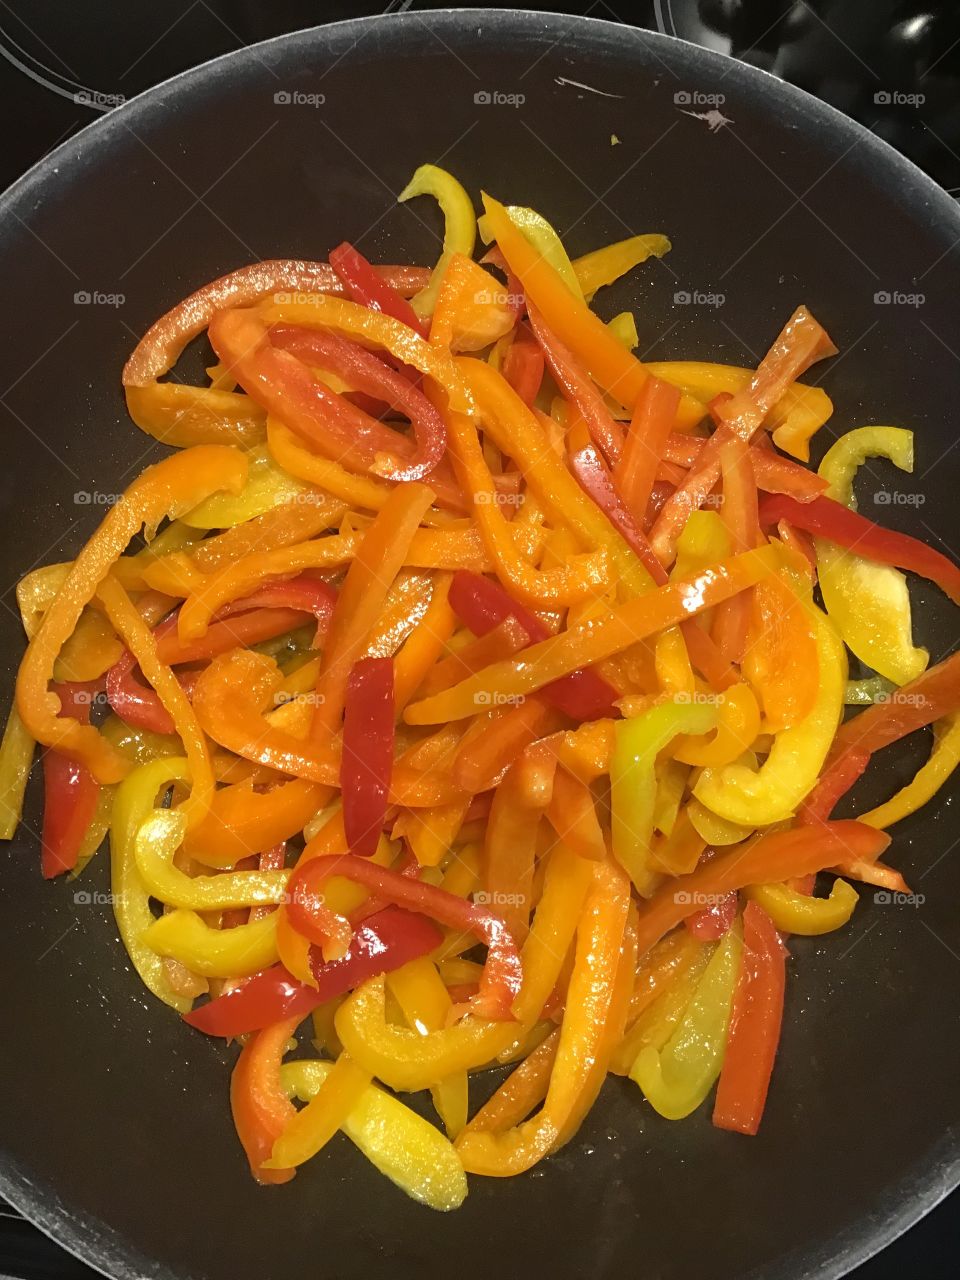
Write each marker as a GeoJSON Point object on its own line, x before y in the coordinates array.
{"type": "Point", "coordinates": [261, 1108]}
{"type": "Point", "coordinates": [713, 921]}
{"type": "Point", "coordinates": [427, 1005]}
{"type": "Point", "coordinates": [782, 660]}
{"type": "Point", "coordinates": [775, 790]}
{"type": "Point", "coordinates": [239, 952]}
{"type": "Point", "coordinates": [267, 486]}
{"type": "Point", "coordinates": [368, 287]}
{"type": "Point", "coordinates": [800, 913]}
{"type": "Point", "coordinates": [460, 224]}
{"type": "Point", "coordinates": [472, 310]}
{"type": "Point", "coordinates": [523, 366]}
{"type": "Point", "coordinates": [367, 758]}
{"type": "Point", "coordinates": [739, 513]}
{"type": "Point", "coordinates": [928, 779]}
{"type": "Point", "coordinates": [597, 639]}
{"type": "Point", "coordinates": [401, 1144]}
{"type": "Point", "coordinates": [606, 265]}
{"type": "Point", "coordinates": [167, 488]}
{"type": "Point", "coordinates": [738, 723]}
{"type": "Point", "coordinates": [502, 973]}
{"type": "Point", "coordinates": [646, 438]}
{"type": "Point", "coordinates": [70, 792]}
{"type": "Point", "coordinates": [311, 1128]}
{"type": "Point", "coordinates": [755, 1026]}
{"type": "Point", "coordinates": [575, 383]}
{"type": "Point", "coordinates": [633, 781]}
{"type": "Point", "coordinates": [16, 757]}
{"type": "Point", "coordinates": [676, 1080]}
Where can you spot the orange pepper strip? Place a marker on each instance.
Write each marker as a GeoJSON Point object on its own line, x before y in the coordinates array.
{"type": "Point", "coordinates": [311, 1128]}
{"type": "Point", "coordinates": [780, 659]}
{"type": "Point", "coordinates": [525, 1088]}
{"type": "Point", "coordinates": [679, 852]}
{"type": "Point", "coordinates": [405, 604]}
{"type": "Point", "coordinates": [580, 578]}
{"type": "Point", "coordinates": [424, 645]}
{"type": "Point", "coordinates": [737, 728]}
{"type": "Point", "coordinates": [650, 426]}
{"type": "Point", "coordinates": [618, 371]}
{"type": "Point", "coordinates": [599, 638]}
{"type": "Point", "coordinates": [739, 514]}
{"type": "Point", "coordinates": [509, 855]}
{"type": "Point", "coordinates": [431, 832]}
{"type": "Point", "coordinates": [176, 484]}
{"type": "Point", "coordinates": [261, 1109]}
{"type": "Point", "coordinates": [378, 561]}
{"type": "Point", "coordinates": [282, 526]}
{"type": "Point", "coordinates": [142, 643]}
{"type": "Point", "coordinates": [573, 815]}
{"type": "Point", "coordinates": [487, 751]}
{"type": "Point", "coordinates": [585, 1041]}
{"type": "Point", "coordinates": [241, 820]}
{"type": "Point", "coordinates": [767, 859]}
{"type": "Point", "coordinates": [469, 314]}
{"type": "Point", "coordinates": [505, 639]}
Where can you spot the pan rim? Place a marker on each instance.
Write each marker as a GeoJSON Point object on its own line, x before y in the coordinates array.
{"type": "Point", "coordinates": [923, 1187]}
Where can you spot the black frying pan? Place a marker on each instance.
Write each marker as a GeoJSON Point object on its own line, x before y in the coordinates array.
{"type": "Point", "coordinates": [115, 1119]}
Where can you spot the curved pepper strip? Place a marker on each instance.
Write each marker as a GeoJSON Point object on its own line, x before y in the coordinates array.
{"type": "Point", "coordinates": [615, 368]}
{"type": "Point", "coordinates": [139, 639]}
{"type": "Point", "coordinates": [676, 1080]}
{"type": "Point", "coordinates": [633, 784]}
{"type": "Point", "coordinates": [929, 778]}
{"type": "Point", "coordinates": [366, 286]}
{"type": "Point", "coordinates": [600, 638]}
{"type": "Point", "coordinates": [311, 1128]}
{"type": "Point", "coordinates": [801, 913]}
{"type": "Point", "coordinates": [606, 265]}
{"type": "Point", "coordinates": [268, 486]}
{"type": "Point", "coordinates": [773, 792]}
{"type": "Point", "coordinates": [586, 1042]}
{"type": "Point", "coordinates": [755, 1027]}
{"type": "Point", "coordinates": [781, 660]}
{"type": "Point", "coordinates": [288, 451]}
{"type": "Point", "coordinates": [544, 239]}
{"type": "Point", "coordinates": [134, 801]}
{"type": "Point", "coordinates": [167, 488]}
{"type": "Point", "coordinates": [401, 1144]}
{"type": "Point", "coordinates": [769, 858]}
{"type": "Point", "coordinates": [240, 820]}
{"type": "Point", "coordinates": [738, 723]}
{"type": "Point", "coordinates": [426, 1004]}
{"type": "Point", "coordinates": [260, 1106]}
{"type": "Point", "coordinates": [459, 229]}
{"type": "Point", "coordinates": [215, 953]}
{"type": "Point", "coordinates": [502, 973]}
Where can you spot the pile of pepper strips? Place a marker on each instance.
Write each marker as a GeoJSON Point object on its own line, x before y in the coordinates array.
{"type": "Point", "coordinates": [520, 634]}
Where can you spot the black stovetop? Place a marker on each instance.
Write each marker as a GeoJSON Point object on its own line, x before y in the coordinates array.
{"type": "Point", "coordinates": [892, 64]}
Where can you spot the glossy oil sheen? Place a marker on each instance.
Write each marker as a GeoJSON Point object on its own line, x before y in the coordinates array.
{"type": "Point", "coordinates": [114, 1117]}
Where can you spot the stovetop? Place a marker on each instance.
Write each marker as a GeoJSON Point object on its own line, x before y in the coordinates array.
{"type": "Point", "coordinates": [894, 65]}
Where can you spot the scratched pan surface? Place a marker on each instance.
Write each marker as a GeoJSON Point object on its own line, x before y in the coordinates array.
{"type": "Point", "coordinates": [114, 1118]}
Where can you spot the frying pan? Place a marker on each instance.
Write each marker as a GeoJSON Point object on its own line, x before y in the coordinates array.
{"type": "Point", "coordinates": [114, 1117]}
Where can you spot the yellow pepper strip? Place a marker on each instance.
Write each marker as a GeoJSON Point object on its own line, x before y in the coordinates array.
{"type": "Point", "coordinates": [798, 414]}
{"type": "Point", "coordinates": [459, 229]}
{"type": "Point", "coordinates": [517, 432]}
{"type": "Point", "coordinates": [267, 486]}
{"type": "Point", "coordinates": [633, 781]}
{"type": "Point", "coordinates": [617, 370]}
{"type": "Point", "coordinates": [585, 645]}
{"type": "Point", "coordinates": [471, 311]}
{"type": "Point", "coordinates": [289, 452]}
{"type": "Point", "coordinates": [716, 831]}
{"type": "Point", "coordinates": [738, 723]}
{"type": "Point", "coordinates": [585, 1042]}
{"type": "Point", "coordinates": [541, 236]}
{"type": "Point", "coordinates": [760, 797]}
{"type": "Point", "coordinates": [280, 527]}
{"type": "Point", "coordinates": [623, 326]}
{"type": "Point", "coordinates": [676, 1080]}
{"type": "Point", "coordinates": [672, 778]}
{"type": "Point", "coordinates": [97, 830]}
{"type": "Point", "coordinates": [431, 832]}
{"type": "Point", "coordinates": [426, 1004]}
{"type": "Point", "coordinates": [325, 1038]}
{"type": "Point", "coordinates": [868, 602]}
{"type": "Point", "coordinates": [402, 1145]}
{"type": "Point", "coordinates": [672, 663]}
{"type": "Point", "coordinates": [214, 953]}
{"type": "Point", "coordinates": [16, 757]}
{"type": "Point", "coordinates": [425, 644]}
{"type": "Point", "coordinates": [606, 265]}
{"type": "Point", "coordinates": [580, 578]}
{"type": "Point", "coordinates": [157, 840]}
{"type": "Point", "coordinates": [312, 1128]}
{"type": "Point", "coordinates": [658, 1019]}
{"type": "Point", "coordinates": [794, 912]}
{"type": "Point", "coordinates": [165, 489]}
{"type": "Point", "coordinates": [140, 640]}
{"type": "Point", "coordinates": [135, 799]}
{"type": "Point", "coordinates": [944, 758]}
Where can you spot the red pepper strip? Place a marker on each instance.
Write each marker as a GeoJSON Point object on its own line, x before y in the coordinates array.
{"type": "Point", "coordinates": [366, 372]}
{"type": "Point", "coordinates": [523, 366]}
{"type": "Point", "coordinates": [833, 784]}
{"type": "Point", "coordinates": [482, 604]}
{"type": "Point", "coordinates": [70, 791]}
{"type": "Point", "coordinates": [935, 693]}
{"type": "Point", "coordinates": [801, 342]}
{"type": "Point", "coordinates": [502, 973]}
{"type": "Point", "coordinates": [650, 429]}
{"type": "Point", "coordinates": [739, 514]}
{"type": "Point", "coordinates": [596, 482]}
{"type": "Point", "coordinates": [366, 761]}
{"type": "Point", "coordinates": [772, 472]}
{"type": "Point", "coordinates": [579, 388]}
{"type": "Point", "coordinates": [261, 1109]}
{"type": "Point", "coordinates": [366, 286]}
{"type": "Point", "coordinates": [837, 523]}
{"type": "Point", "coordinates": [382, 943]}
{"type": "Point", "coordinates": [754, 1026]}
{"type": "Point", "coordinates": [687, 497]}
{"type": "Point", "coordinates": [712, 922]}
{"type": "Point", "coordinates": [274, 859]}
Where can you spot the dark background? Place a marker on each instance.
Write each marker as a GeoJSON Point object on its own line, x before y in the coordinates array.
{"type": "Point", "coordinates": [63, 63]}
